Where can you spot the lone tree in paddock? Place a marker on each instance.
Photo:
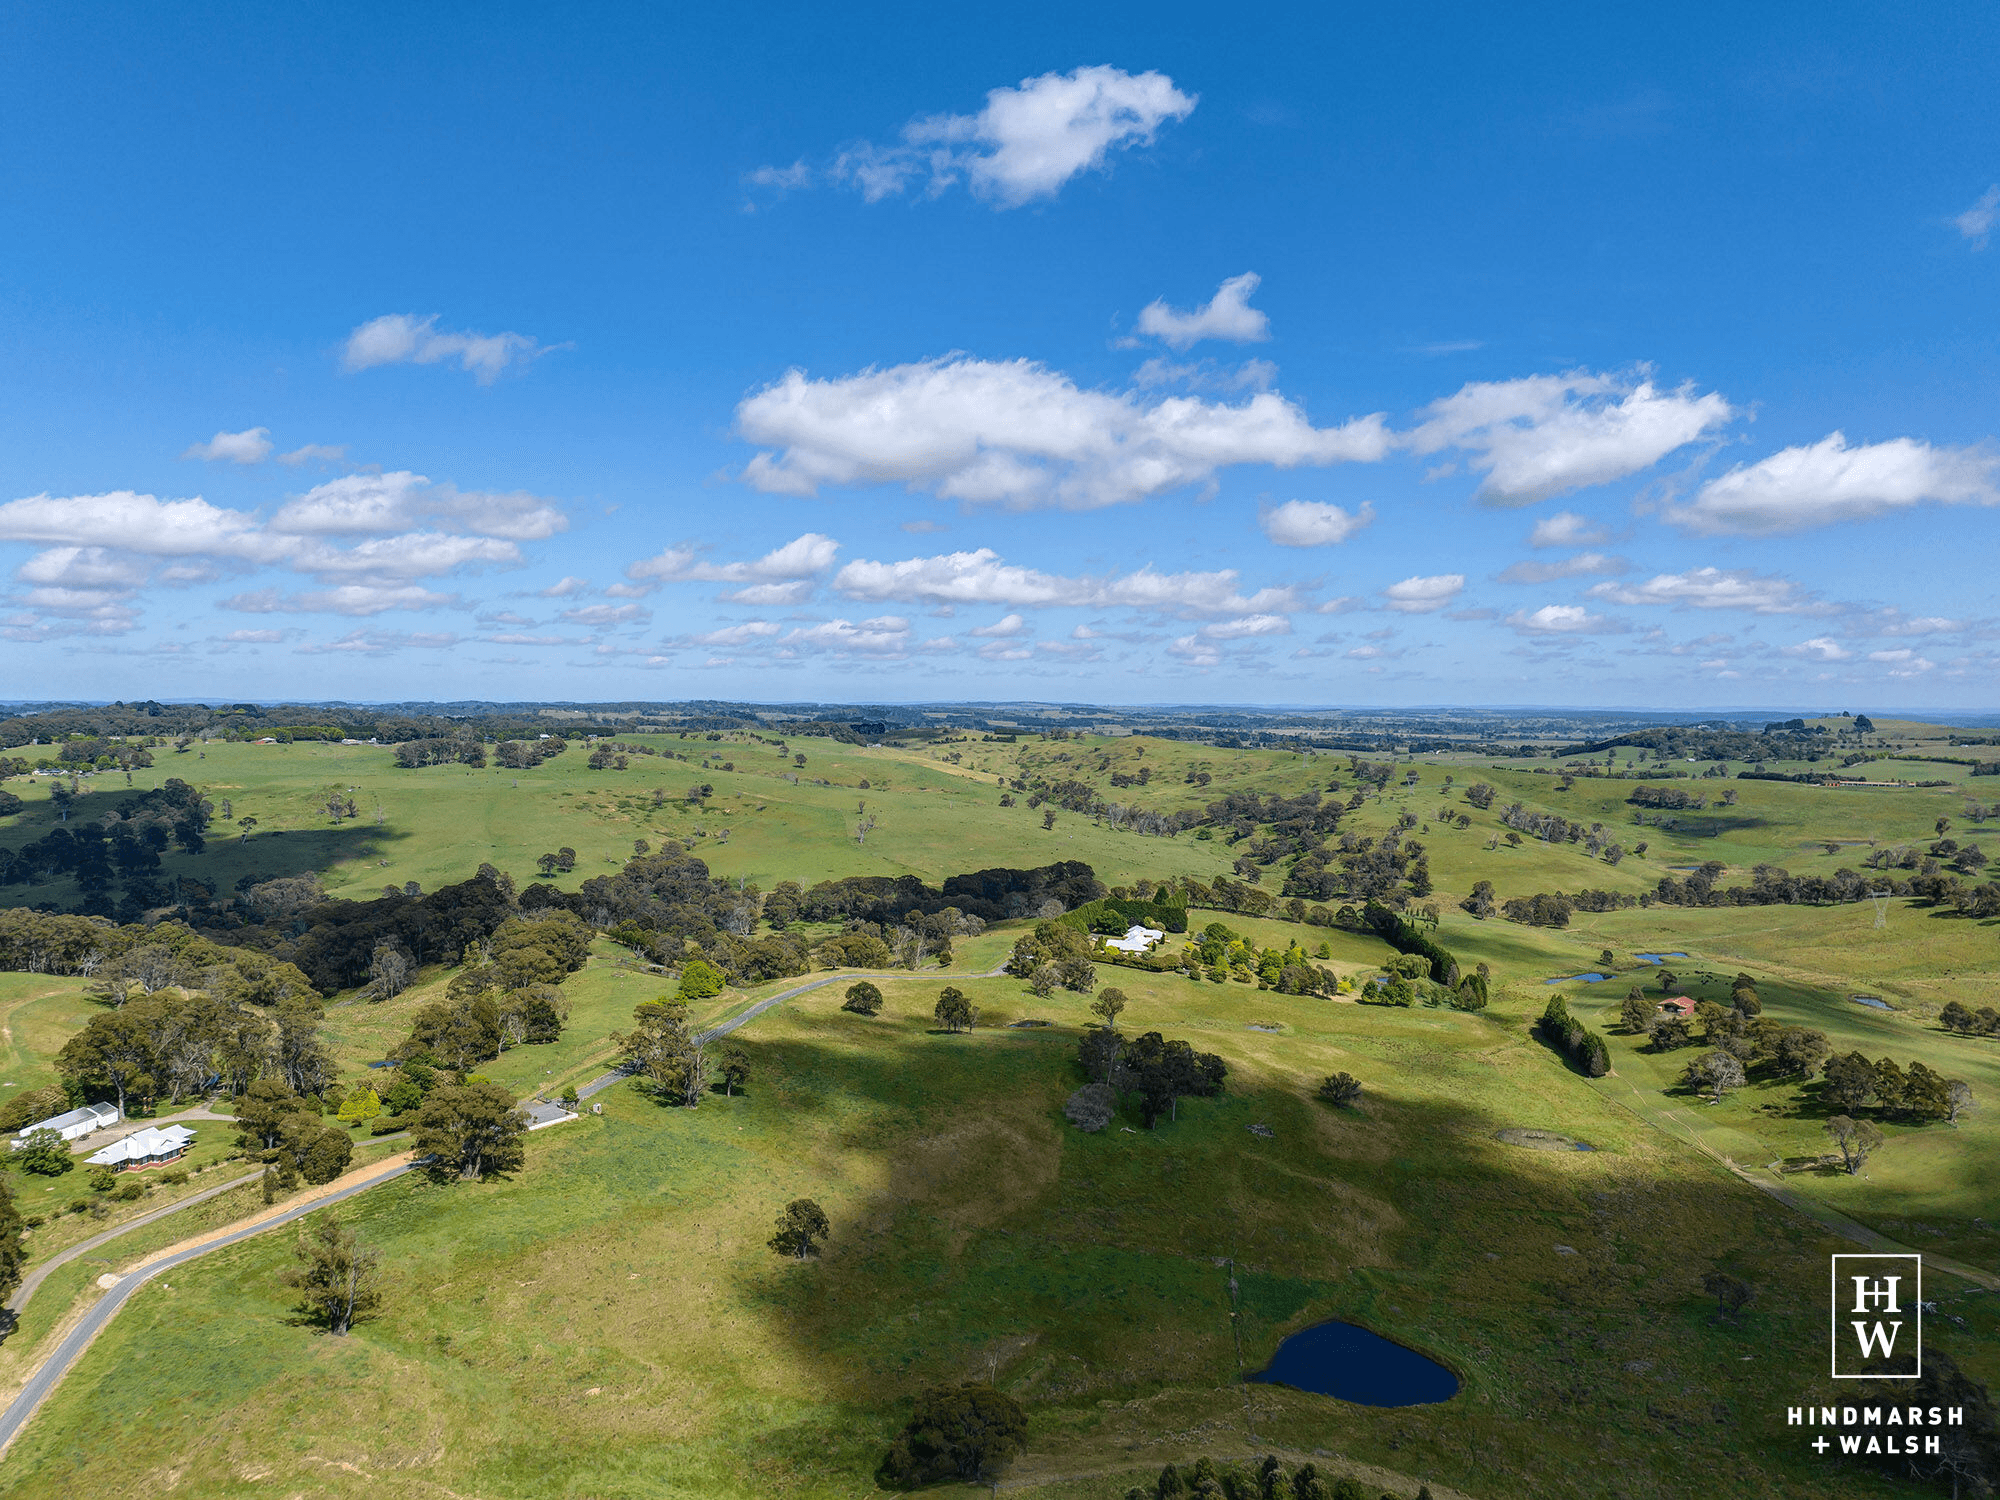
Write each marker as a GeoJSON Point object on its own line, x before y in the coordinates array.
{"type": "Point", "coordinates": [335, 1278]}
{"type": "Point", "coordinates": [954, 1012]}
{"type": "Point", "coordinates": [863, 998]}
{"type": "Point", "coordinates": [801, 1228]}
{"type": "Point", "coordinates": [1108, 1006]}
{"type": "Point", "coordinates": [1856, 1139]}
{"type": "Point", "coordinates": [1731, 1295]}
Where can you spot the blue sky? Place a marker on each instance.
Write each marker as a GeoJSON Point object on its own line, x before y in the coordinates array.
{"type": "Point", "coordinates": [1429, 355]}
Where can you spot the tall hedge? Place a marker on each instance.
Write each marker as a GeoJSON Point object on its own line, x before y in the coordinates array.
{"type": "Point", "coordinates": [1400, 933]}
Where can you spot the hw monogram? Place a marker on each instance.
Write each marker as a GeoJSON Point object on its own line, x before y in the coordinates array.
{"type": "Point", "coordinates": [1877, 1314]}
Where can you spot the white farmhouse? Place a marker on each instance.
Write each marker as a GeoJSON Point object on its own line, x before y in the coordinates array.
{"type": "Point", "coordinates": [144, 1148]}
{"type": "Point", "coordinates": [1136, 939]}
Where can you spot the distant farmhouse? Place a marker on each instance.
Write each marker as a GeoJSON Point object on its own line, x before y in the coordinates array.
{"type": "Point", "coordinates": [73, 1126]}
{"type": "Point", "coordinates": [1136, 940]}
{"type": "Point", "coordinates": [150, 1147]}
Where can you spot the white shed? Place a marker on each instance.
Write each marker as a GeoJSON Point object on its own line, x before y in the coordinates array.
{"type": "Point", "coordinates": [75, 1125]}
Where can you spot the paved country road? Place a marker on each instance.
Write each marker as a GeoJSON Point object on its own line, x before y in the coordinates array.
{"type": "Point", "coordinates": [106, 1308]}
{"type": "Point", "coordinates": [50, 1374]}
{"type": "Point", "coordinates": [41, 1272]}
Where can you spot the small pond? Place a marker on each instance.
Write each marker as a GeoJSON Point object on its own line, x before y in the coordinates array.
{"type": "Point", "coordinates": [1876, 1001]}
{"type": "Point", "coordinates": [1586, 978]}
{"type": "Point", "coordinates": [1657, 958]}
{"type": "Point", "coordinates": [1352, 1364]}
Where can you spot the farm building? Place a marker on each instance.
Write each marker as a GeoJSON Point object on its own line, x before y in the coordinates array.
{"type": "Point", "coordinates": [1136, 939]}
{"type": "Point", "coordinates": [75, 1125]}
{"type": "Point", "coordinates": [144, 1148]}
{"type": "Point", "coordinates": [1677, 1005]}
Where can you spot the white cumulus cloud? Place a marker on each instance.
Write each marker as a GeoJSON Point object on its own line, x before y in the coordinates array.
{"type": "Point", "coordinates": [1583, 565]}
{"type": "Point", "coordinates": [1716, 588]}
{"type": "Point", "coordinates": [405, 339]}
{"type": "Point", "coordinates": [1309, 523]}
{"type": "Point", "coordinates": [357, 504]}
{"type": "Point", "coordinates": [1419, 596]}
{"type": "Point", "coordinates": [1819, 648]}
{"type": "Point", "coordinates": [1017, 434]}
{"type": "Point", "coordinates": [1563, 619]}
{"type": "Point", "coordinates": [1025, 144]}
{"type": "Point", "coordinates": [781, 576]}
{"type": "Point", "coordinates": [981, 577]}
{"type": "Point", "coordinates": [1568, 529]}
{"type": "Point", "coordinates": [252, 446]}
{"type": "Point", "coordinates": [1227, 315]}
{"type": "Point", "coordinates": [1820, 483]}
{"type": "Point", "coordinates": [1545, 435]}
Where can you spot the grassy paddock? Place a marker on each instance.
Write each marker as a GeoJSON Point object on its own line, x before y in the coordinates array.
{"type": "Point", "coordinates": [610, 1323]}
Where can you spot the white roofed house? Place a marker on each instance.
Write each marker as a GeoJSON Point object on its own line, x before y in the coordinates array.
{"type": "Point", "coordinates": [74, 1125]}
{"type": "Point", "coordinates": [144, 1148]}
{"type": "Point", "coordinates": [1136, 940]}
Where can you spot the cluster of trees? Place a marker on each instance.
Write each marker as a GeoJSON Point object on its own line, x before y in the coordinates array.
{"type": "Point", "coordinates": [993, 895]}
{"type": "Point", "coordinates": [671, 1060]}
{"type": "Point", "coordinates": [525, 755]}
{"type": "Point", "coordinates": [507, 993]}
{"type": "Point", "coordinates": [1055, 955]}
{"type": "Point", "coordinates": [461, 748]}
{"type": "Point", "coordinates": [1791, 739]}
{"type": "Point", "coordinates": [1205, 1479]}
{"type": "Point", "coordinates": [183, 1045]}
{"type": "Point", "coordinates": [335, 942]}
{"type": "Point", "coordinates": [1584, 1048]}
{"type": "Point", "coordinates": [1984, 1021]}
{"type": "Point", "coordinates": [115, 859]}
{"type": "Point", "coordinates": [1769, 886]}
{"type": "Point", "coordinates": [1738, 1030]}
{"type": "Point", "coordinates": [1668, 797]}
{"type": "Point", "coordinates": [287, 1129]}
{"type": "Point", "coordinates": [1158, 1071]}
{"type": "Point", "coordinates": [1850, 1082]}
{"type": "Point", "coordinates": [1223, 953]}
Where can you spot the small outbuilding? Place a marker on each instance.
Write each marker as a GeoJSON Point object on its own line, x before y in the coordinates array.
{"type": "Point", "coordinates": [1677, 1005]}
{"type": "Point", "coordinates": [151, 1147]}
{"type": "Point", "coordinates": [75, 1125]}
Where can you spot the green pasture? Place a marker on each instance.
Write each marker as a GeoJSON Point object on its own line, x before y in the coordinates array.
{"type": "Point", "coordinates": [38, 1014]}
{"type": "Point", "coordinates": [610, 1323]}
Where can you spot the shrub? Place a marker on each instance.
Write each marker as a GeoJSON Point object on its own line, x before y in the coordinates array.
{"type": "Point", "coordinates": [174, 1178]}
{"type": "Point", "coordinates": [956, 1432]}
{"type": "Point", "coordinates": [130, 1190]}
{"type": "Point", "coordinates": [1343, 1089]}
{"type": "Point", "coordinates": [46, 1153]}
{"type": "Point", "coordinates": [1091, 1107]}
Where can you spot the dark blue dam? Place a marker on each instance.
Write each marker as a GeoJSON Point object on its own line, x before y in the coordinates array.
{"type": "Point", "coordinates": [1352, 1364]}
